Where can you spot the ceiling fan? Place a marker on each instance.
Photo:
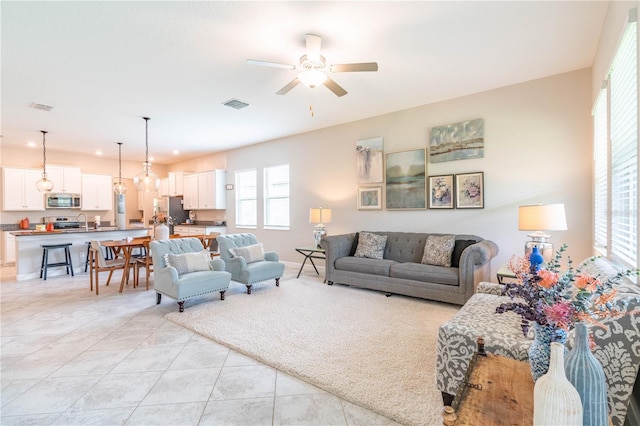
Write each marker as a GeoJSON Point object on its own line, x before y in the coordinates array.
{"type": "Point", "coordinates": [313, 69]}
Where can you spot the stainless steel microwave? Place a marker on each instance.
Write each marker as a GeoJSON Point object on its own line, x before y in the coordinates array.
{"type": "Point", "coordinates": [62, 201]}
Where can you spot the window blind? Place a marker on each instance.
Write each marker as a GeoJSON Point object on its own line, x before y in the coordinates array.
{"type": "Point", "coordinates": [601, 167]}
{"type": "Point", "coordinates": [624, 150]}
{"type": "Point", "coordinates": [246, 199]}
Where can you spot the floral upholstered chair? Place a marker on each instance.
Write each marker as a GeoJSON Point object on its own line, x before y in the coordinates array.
{"type": "Point", "coordinates": [617, 345]}
{"type": "Point", "coordinates": [246, 260]}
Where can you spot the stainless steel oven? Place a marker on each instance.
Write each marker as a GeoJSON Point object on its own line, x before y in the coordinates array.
{"type": "Point", "coordinates": [62, 201]}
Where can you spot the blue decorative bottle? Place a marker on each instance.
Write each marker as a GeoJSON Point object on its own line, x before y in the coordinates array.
{"type": "Point", "coordinates": [586, 374]}
{"type": "Point", "coordinates": [535, 259]}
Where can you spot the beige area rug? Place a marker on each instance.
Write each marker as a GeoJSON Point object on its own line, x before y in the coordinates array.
{"type": "Point", "coordinates": [375, 351]}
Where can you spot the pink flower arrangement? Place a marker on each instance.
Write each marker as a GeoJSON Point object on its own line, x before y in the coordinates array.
{"type": "Point", "coordinates": [548, 297]}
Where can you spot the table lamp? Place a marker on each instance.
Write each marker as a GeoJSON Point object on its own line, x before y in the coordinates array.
{"type": "Point", "coordinates": [540, 218]}
{"type": "Point", "coordinates": [319, 216]}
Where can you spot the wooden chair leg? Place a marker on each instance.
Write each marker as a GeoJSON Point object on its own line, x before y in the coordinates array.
{"type": "Point", "coordinates": [109, 278]}
{"type": "Point", "coordinates": [95, 271]}
{"type": "Point", "coordinates": [90, 262]}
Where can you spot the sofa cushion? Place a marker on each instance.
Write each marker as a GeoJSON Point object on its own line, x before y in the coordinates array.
{"type": "Point", "coordinates": [188, 262]}
{"type": "Point", "coordinates": [425, 273]}
{"type": "Point", "coordinates": [251, 253]}
{"type": "Point", "coordinates": [364, 265]}
{"type": "Point", "coordinates": [438, 250]}
{"type": "Point", "coordinates": [371, 245]}
{"type": "Point", "coordinates": [458, 248]}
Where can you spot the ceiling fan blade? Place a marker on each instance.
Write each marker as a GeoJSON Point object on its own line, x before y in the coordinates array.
{"type": "Point", "coordinates": [364, 66]}
{"type": "Point", "coordinates": [270, 64]}
{"type": "Point", "coordinates": [334, 87]}
{"type": "Point", "coordinates": [313, 47]}
{"type": "Point", "coordinates": [293, 83]}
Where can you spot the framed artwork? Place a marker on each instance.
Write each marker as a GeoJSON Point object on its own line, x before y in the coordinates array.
{"type": "Point", "coordinates": [406, 179]}
{"type": "Point", "coordinates": [470, 191]}
{"type": "Point", "coordinates": [441, 192]}
{"type": "Point", "coordinates": [370, 198]}
{"type": "Point", "coordinates": [369, 161]}
{"type": "Point", "coordinates": [459, 141]}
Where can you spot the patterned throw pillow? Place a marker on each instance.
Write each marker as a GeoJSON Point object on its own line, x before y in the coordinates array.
{"type": "Point", "coordinates": [438, 250]}
{"type": "Point", "coordinates": [371, 245]}
{"type": "Point", "coordinates": [252, 253]}
{"type": "Point", "coordinates": [188, 262]}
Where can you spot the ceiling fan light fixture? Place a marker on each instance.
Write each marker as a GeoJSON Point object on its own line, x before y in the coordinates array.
{"type": "Point", "coordinates": [312, 77]}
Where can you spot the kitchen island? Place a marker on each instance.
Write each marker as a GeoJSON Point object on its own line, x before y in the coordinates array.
{"type": "Point", "coordinates": [29, 248]}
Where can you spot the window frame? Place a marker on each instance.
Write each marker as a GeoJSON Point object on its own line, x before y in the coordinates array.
{"type": "Point", "coordinates": [269, 196]}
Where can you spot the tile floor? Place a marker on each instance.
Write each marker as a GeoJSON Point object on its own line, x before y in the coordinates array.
{"type": "Point", "coordinates": [69, 357]}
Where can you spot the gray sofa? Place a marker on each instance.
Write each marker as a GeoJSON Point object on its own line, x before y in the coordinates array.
{"type": "Point", "coordinates": [400, 270]}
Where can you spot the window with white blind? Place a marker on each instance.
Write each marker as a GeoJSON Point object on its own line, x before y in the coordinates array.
{"type": "Point", "coordinates": [616, 148]}
{"type": "Point", "coordinates": [276, 197]}
{"type": "Point", "coordinates": [246, 199]}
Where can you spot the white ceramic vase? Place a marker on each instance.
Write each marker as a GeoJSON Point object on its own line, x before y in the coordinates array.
{"type": "Point", "coordinates": [161, 232]}
{"type": "Point", "coordinates": [555, 401]}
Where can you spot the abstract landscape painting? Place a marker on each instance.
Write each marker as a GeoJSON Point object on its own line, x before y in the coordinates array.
{"type": "Point", "coordinates": [406, 183]}
{"type": "Point", "coordinates": [369, 160]}
{"type": "Point", "coordinates": [459, 141]}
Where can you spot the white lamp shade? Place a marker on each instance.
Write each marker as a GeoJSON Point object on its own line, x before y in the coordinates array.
{"type": "Point", "coordinates": [549, 217]}
{"type": "Point", "coordinates": [319, 215]}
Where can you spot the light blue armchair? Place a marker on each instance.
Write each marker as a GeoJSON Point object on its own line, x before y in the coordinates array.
{"type": "Point", "coordinates": [245, 259]}
{"type": "Point", "coordinates": [190, 272]}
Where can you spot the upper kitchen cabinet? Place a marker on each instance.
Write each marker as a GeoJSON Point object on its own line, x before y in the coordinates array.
{"type": "Point", "coordinates": [65, 179]}
{"type": "Point", "coordinates": [205, 191]}
{"type": "Point", "coordinates": [163, 190]}
{"type": "Point", "coordinates": [190, 199]}
{"type": "Point", "coordinates": [211, 193]}
{"type": "Point", "coordinates": [97, 192]}
{"type": "Point", "coordinates": [19, 191]}
{"type": "Point", "coordinates": [176, 183]}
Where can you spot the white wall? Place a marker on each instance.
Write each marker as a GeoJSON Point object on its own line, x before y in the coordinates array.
{"type": "Point", "coordinates": [537, 149]}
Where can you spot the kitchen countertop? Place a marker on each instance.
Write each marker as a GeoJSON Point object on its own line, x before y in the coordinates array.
{"type": "Point", "coordinates": [29, 232]}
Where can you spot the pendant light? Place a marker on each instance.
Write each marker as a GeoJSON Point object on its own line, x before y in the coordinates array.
{"type": "Point", "coordinates": [120, 187]}
{"type": "Point", "coordinates": [44, 184]}
{"type": "Point", "coordinates": [146, 180]}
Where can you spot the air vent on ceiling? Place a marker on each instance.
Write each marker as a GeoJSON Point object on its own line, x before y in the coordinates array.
{"type": "Point", "coordinates": [235, 104]}
{"type": "Point", "coordinates": [41, 107]}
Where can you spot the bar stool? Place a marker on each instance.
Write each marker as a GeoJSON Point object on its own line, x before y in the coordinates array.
{"type": "Point", "coordinates": [45, 259]}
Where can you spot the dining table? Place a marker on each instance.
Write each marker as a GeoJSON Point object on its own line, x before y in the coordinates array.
{"type": "Point", "coordinates": [124, 248]}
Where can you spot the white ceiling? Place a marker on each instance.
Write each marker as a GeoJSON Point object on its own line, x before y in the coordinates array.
{"type": "Point", "coordinates": [104, 65]}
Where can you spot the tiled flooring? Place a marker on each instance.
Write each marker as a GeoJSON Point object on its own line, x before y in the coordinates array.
{"type": "Point", "coordinates": [70, 357]}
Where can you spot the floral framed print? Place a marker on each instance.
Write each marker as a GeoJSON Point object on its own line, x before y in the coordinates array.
{"type": "Point", "coordinates": [406, 180]}
{"type": "Point", "coordinates": [441, 192]}
{"type": "Point", "coordinates": [370, 198]}
{"type": "Point", "coordinates": [470, 190]}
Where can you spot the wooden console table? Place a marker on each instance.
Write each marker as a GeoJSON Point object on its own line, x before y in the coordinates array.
{"type": "Point", "coordinates": [497, 391]}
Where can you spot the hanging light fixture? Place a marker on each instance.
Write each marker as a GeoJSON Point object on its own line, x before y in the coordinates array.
{"type": "Point", "coordinates": [120, 187]}
{"type": "Point", "coordinates": [146, 180]}
{"type": "Point", "coordinates": [44, 184]}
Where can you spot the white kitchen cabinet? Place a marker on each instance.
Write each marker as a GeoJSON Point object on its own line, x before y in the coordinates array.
{"type": "Point", "coordinates": [176, 183]}
{"type": "Point", "coordinates": [186, 230]}
{"type": "Point", "coordinates": [190, 195]}
{"type": "Point", "coordinates": [163, 190]}
{"type": "Point", "coordinates": [211, 193]}
{"type": "Point", "coordinates": [9, 245]}
{"type": "Point", "coordinates": [19, 192]}
{"type": "Point", "coordinates": [65, 179]}
{"type": "Point", "coordinates": [97, 192]}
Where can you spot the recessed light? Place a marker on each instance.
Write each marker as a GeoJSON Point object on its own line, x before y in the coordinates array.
{"type": "Point", "coordinates": [31, 144]}
{"type": "Point", "coordinates": [176, 152]}
{"type": "Point", "coordinates": [98, 152]}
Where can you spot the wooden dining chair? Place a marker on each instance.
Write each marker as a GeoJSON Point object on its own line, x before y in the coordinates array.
{"type": "Point", "coordinates": [99, 264]}
{"type": "Point", "coordinates": [145, 262]}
